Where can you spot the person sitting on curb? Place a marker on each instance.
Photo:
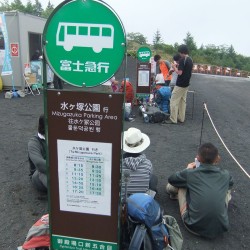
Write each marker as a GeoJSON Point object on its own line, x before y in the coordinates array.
{"type": "Point", "coordinates": [37, 157]}
{"type": "Point", "coordinates": [204, 192]}
{"type": "Point", "coordinates": [141, 177]}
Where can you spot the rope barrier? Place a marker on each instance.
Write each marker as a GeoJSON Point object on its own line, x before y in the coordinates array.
{"type": "Point", "coordinates": [205, 107]}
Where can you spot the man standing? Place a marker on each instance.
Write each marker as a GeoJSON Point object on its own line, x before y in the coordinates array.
{"type": "Point", "coordinates": [204, 191]}
{"type": "Point", "coordinates": [179, 94]}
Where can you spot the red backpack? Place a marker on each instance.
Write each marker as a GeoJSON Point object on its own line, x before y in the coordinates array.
{"type": "Point", "coordinates": [38, 235]}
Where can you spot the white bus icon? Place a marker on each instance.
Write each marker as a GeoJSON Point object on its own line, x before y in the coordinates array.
{"type": "Point", "coordinates": [144, 54]}
{"type": "Point", "coordinates": [96, 36]}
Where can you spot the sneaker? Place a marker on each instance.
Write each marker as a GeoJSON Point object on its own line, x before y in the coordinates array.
{"type": "Point", "coordinates": [172, 191]}
{"type": "Point", "coordinates": [131, 119]}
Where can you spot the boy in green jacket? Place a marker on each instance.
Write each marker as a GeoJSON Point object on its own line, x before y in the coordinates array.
{"type": "Point", "coordinates": [203, 191]}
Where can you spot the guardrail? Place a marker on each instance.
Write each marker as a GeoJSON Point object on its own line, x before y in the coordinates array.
{"type": "Point", "coordinates": [218, 70]}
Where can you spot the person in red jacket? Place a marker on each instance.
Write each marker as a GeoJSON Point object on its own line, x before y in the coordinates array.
{"type": "Point", "coordinates": [129, 91]}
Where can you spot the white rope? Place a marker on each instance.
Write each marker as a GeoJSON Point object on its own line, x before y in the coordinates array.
{"type": "Point", "coordinates": [205, 107]}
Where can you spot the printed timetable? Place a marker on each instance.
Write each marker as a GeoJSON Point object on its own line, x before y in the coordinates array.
{"type": "Point", "coordinates": [84, 172]}
{"type": "Point", "coordinates": [84, 175]}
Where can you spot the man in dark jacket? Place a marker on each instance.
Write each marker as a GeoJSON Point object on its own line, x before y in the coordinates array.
{"type": "Point", "coordinates": [203, 192]}
{"type": "Point", "coordinates": [37, 157]}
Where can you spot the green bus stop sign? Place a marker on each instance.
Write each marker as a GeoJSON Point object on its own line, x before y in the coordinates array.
{"type": "Point", "coordinates": [143, 54]}
{"type": "Point", "coordinates": [84, 42]}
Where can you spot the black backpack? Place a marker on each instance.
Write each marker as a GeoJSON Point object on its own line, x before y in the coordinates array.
{"type": "Point", "coordinates": [158, 117]}
{"type": "Point", "coordinates": [155, 114]}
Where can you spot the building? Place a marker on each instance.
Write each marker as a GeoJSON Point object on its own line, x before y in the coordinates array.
{"type": "Point", "coordinates": [20, 37]}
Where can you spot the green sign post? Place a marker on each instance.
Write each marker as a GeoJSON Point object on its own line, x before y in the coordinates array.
{"type": "Point", "coordinates": [84, 42]}
{"type": "Point", "coordinates": [144, 54]}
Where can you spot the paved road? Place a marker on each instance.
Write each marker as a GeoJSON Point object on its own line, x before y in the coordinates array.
{"type": "Point", "coordinates": [173, 146]}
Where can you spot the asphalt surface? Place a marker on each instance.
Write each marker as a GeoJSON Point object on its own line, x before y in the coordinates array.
{"type": "Point", "coordinates": [172, 147]}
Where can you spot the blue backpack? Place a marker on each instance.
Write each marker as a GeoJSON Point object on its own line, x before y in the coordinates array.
{"type": "Point", "coordinates": [143, 209]}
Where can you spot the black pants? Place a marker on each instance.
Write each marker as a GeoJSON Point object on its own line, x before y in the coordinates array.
{"type": "Point", "coordinates": [153, 182]}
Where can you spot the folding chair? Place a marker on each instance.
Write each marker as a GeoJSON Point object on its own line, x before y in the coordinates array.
{"type": "Point", "coordinates": [31, 85]}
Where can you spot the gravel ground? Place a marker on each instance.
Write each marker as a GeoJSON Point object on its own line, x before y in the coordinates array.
{"type": "Point", "coordinates": [172, 147]}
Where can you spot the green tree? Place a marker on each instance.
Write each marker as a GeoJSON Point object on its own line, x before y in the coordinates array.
{"type": "Point", "coordinates": [37, 8]}
{"type": "Point", "coordinates": [17, 5]}
{"type": "Point", "coordinates": [157, 40]}
{"type": "Point", "coordinates": [34, 9]}
{"type": "Point", "coordinates": [189, 41]}
{"type": "Point", "coordinates": [5, 6]}
{"type": "Point", "coordinates": [176, 45]}
{"type": "Point", "coordinates": [168, 49]}
{"type": "Point", "coordinates": [137, 37]}
{"type": "Point", "coordinates": [29, 8]}
{"type": "Point", "coordinates": [49, 9]}
{"type": "Point", "coordinates": [231, 51]}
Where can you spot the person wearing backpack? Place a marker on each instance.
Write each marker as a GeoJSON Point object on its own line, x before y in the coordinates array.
{"type": "Point", "coordinates": [163, 67]}
{"type": "Point", "coordinates": [140, 168]}
{"type": "Point", "coordinates": [37, 157]}
{"type": "Point", "coordinates": [204, 191]}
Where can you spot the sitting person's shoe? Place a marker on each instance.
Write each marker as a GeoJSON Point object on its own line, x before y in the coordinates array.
{"type": "Point", "coordinates": [172, 191]}
{"type": "Point", "coordinates": [130, 119]}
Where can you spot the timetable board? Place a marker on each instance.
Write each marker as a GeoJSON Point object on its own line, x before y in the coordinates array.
{"type": "Point", "coordinates": [85, 176]}
{"type": "Point", "coordinates": [84, 145]}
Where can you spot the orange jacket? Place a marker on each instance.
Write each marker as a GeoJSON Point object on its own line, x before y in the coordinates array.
{"type": "Point", "coordinates": [129, 91]}
{"type": "Point", "coordinates": [164, 70]}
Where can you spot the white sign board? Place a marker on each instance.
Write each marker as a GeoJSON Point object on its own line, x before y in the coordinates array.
{"type": "Point", "coordinates": [84, 176]}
